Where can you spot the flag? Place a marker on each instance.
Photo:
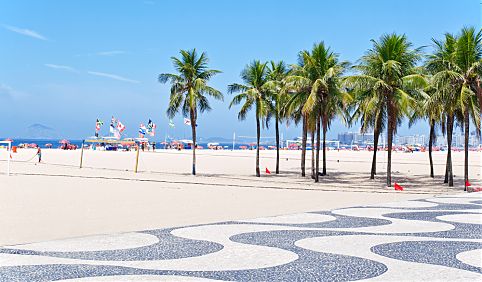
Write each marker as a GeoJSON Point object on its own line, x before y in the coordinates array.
{"type": "Point", "coordinates": [467, 183]}
{"type": "Point", "coordinates": [187, 121]}
{"type": "Point", "coordinates": [98, 124]}
{"type": "Point", "coordinates": [120, 126]}
{"type": "Point", "coordinates": [171, 123]}
{"type": "Point", "coordinates": [153, 130]}
{"type": "Point", "coordinates": [142, 130]}
{"type": "Point", "coordinates": [398, 187]}
{"type": "Point", "coordinates": [117, 134]}
{"type": "Point", "coordinates": [150, 124]}
{"type": "Point", "coordinates": [112, 126]}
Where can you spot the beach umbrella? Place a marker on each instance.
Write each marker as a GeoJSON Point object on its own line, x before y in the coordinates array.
{"type": "Point", "coordinates": [64, 141]}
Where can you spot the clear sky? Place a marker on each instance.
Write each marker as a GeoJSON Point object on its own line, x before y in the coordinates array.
{"type": "Point", "coordinates": [65, 63]}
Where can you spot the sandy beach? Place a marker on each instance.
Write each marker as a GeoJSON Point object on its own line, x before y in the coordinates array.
{"type": "Point", "coordinates": [56, 199]}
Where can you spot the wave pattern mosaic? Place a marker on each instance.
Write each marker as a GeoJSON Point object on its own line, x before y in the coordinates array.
{"type": "Point", "coordinates": [431, 240]}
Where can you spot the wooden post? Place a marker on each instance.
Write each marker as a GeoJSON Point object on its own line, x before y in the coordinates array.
{"type": "Point", "coordinates": [82, 153]}
{"type": "Point", "coordinates": [9, 157]}
{"type": "Point", "coordinates": [137, 159]}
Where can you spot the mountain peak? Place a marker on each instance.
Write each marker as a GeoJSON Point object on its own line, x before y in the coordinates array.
{"type": "Point", "coordinates": [39, 126]}
{"type": "Point", "coordinates": [40, 131]}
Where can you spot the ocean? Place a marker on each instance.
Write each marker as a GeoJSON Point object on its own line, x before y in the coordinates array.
{"type": "Point", "coordinates": [55, 143]}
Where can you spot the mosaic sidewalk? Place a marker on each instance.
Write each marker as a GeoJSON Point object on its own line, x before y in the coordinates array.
{"type": "Point", "coordinates": [437, 239]}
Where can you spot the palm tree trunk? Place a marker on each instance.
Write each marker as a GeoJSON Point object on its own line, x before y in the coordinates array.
{"type": "Point", "coordinates": [324, 148]}
{"type": "Point", "coordinates": [449, 176]}
{"type": "Point", "coordinates": [375, 149]}
{"type": "Point", "coordinates": [446, 177]}
{"type": "Point", "coordinates": [466, 145]}
{"type": "Point", "coordinates": [313, 169]}
{"type": "Point", "coordinates": [318, 130]}
{"type": "Point", "coordinates": [194, 143]}
{"type": "Point", "coordinates": [479, 92]}
{"type": "Point", "coordinates": [303, 146]}
{"type": "Point", "coordinates": [391, 118]}
{"type": "Point", "coordinates": [277, 144]}
{"type": "Point", "coordinates": [376, 137]}
{"type": "Point", "coordinates": [258, 133]}
{"type": "Point", "coordinates": [430, 143]}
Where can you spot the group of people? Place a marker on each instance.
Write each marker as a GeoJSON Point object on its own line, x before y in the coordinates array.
{"type": "Point", "coordinates": [147, 145]}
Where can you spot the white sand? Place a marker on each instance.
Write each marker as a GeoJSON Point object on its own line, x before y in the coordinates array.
{"type": "Point", "coordinates": [56, 199]}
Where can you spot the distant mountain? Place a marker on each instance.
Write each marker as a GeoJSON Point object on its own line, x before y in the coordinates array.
{"type": "Point", "coordinates": [246, 140]}
{"type": "Point", "coordinates": [215, 139]}
{"type": "Point", "coordinates": [40, 131]}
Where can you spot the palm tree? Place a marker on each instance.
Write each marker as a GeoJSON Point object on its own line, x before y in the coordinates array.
{"type": "Point", "coordinates": [189, 90]}
{"type": "Point", "coordinates": [388, 72]}
{"type": "Point", "coordinates": [369, 107]}
{"type": "Point", "coordinates": [457, 61]}
{"type": "Point", "coordinates": [293, 109]}
{"type": "Point", "coordinates": [252, 93]}
{"type": "Point", "coordinates": [318, 74]}
{"type": "Point", "coordinates": [277, 71]}
{"type": "Point", "coordinates": [441, 63]}
{"type": "Point", "coordinates": [469, 61]}
{"type": "Point", "coordinates": [430, 109]}
{"type": "Point", "coordinates": [459, 79]}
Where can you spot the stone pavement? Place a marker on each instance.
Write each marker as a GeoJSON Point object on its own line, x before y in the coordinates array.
{"type": "Point", "coordinates": [437, 239]}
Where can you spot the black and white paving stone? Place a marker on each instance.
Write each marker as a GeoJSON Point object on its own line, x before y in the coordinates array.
{"type": "Point", "coordinates": [438, 239]}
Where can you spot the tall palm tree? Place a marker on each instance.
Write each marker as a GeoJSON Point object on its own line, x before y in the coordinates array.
{"type": "Point", "coordinates": [277, 72]}
{"type": "Point", "coordinates": [293, 109]}
{"type": "Point", "coordinates": [387, 70]}
{"type": "Point", "coordinates": [189, 90]}
{"type": "Point", "coordinates": [319, 75]}
{"type": "Point", "coordinates": [369, 107]}
{"type": "Point", "coordinates": [441, 63]}
{"type": "Point", "coordinates": [461, 80]}
{"type": "Point", "coordinates": [469, 60]}
{"type": "Point", "coordinates": [430, 109]}
{"type": "Point", "coordinates": [253, 93]}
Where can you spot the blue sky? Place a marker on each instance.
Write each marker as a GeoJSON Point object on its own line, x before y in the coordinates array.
{"type": "Point", "coordinates": [65, 63]}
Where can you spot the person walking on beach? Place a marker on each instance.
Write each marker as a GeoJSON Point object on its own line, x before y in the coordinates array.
{"type": "Point", "coordinates": [39, 154]}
